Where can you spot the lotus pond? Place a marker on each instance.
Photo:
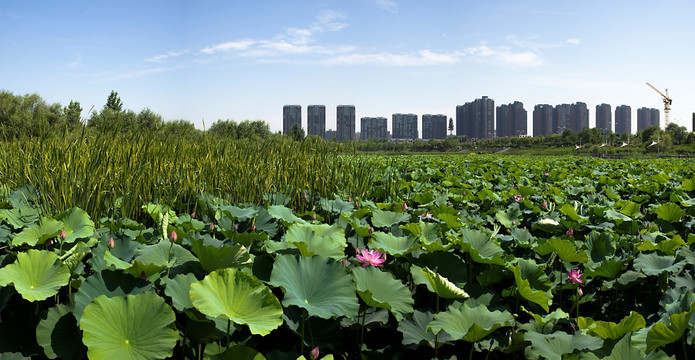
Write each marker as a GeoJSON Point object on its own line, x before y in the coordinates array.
{"type": "Point", "coordinates": [444, 257]}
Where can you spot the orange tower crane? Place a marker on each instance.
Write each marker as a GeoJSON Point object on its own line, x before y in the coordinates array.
{"type": "Point", "coordinates": [667, 103]}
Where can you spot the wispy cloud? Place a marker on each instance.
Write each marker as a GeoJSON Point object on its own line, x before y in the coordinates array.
{"type": "Point", "coordinates": [388, 5]}
{"type": "Point", "coordinates": [76, 64]}
{"type": "Point", "coordinates": [505, 56]}
{"type": "Point", "coordinates": [236, 45]}
{"type": "Point", "coordinates": [169, 54]}
{"type": "Point", "coordinates": [573, 41]}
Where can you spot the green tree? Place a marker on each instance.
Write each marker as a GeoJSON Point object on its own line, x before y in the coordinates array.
{"type": "Point", "coordinates": [451, 126]}
{"type": "Point", "coordinates": [114, 102]}
{"type": "Point", "coordinates": [148, 120]}
{"type": "Point", "coordinates": [73, 115]}
{"type": "Point", "coordinates": [296, 132]}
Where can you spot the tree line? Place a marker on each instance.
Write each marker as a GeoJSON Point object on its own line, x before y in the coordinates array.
{"type": "Point", "coordinates": [29, 116]}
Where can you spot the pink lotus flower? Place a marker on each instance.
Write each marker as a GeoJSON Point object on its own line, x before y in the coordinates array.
{"type": "Point", "coordinates": [570, 232]}
{"type": "Point", "coordinates": [314, 354]}
{"type": "Point", "coordinates": [547, 174]}
{"type": "Point", "coordinates": [173, 237]}
{"type": "Point", "coordinates": [111, 244]}
{"type": "Point", "coordinates": [63, 235]}
{"type": "Point", "coordinates": [371, 257]}
{"type": "Point", "coordinates": [405, 206]}
{"type": "Point", "coordinates": [426, 216]}
{"type": "Point", "coordinates": [573, 276]}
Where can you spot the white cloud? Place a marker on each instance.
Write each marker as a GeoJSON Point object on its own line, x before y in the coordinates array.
{"type": "Point", "coordinates": [505, 56]}
{"type": "Point", "coordinates": [169, 54]}
{"type": "Point", "coordinates": [77, 63]}
{"type": "Point", "coordinates": [228, 46]}
{"type": "Point", "coordinates": [388, 5]}
{"type": "Point", "coordinates": [573, 41]}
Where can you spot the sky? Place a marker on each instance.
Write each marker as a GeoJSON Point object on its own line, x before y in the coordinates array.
{"type": "Point", "coordinates": [203, 61]}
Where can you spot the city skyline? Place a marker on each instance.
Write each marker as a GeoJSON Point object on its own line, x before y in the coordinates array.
{"type": "Point", "coordinates": [242, 60]}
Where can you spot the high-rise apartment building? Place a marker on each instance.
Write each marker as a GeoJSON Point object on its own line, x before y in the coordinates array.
{"type": "Point", "coordinates": [542, 120]}
{"type": "Point", "coordinates": [604, 119]}
{"type": "Point", "coordinates": [316, 120]}
{"type": "Point", "coordinates": [373, 128]}
{"type": "Point", "coordinates": [623, 120]}
{"type": "Point", "coordinates": [404, 126]}
{"type": "Point", "coordinates": [434, 126]}
{"type": "Point", "coordinates": [291, 115]}
{"type": "Point", "coordinates": [579, 116]}
{"type": "Point", "coordinates": [562, 118]}
{"type": "Point", "coordinates": [511, 120]}
{"type": "Point", "coordinates": [647, 117]}
{"type": "Point", "coordinates": [345, 122]}
{"type": "Point", "coordinates": [476, 119]}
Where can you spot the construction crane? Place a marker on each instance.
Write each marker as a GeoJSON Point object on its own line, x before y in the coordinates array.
{"type": "Point", "coordinates": [667, 103]}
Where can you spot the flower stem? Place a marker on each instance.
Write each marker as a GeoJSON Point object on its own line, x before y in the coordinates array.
{"type": "Point", "coordinates": [229, 323]}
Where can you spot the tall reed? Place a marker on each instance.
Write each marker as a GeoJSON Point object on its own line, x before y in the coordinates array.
{"type": "Point", "coordinates": [111, 174]}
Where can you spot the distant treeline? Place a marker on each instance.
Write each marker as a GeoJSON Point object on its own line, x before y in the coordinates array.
{"type": "Point", "coordinates": [29, 116]}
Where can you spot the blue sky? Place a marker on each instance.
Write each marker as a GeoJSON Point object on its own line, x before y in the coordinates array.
{"type": "Point", "coordinates": [239, 60]}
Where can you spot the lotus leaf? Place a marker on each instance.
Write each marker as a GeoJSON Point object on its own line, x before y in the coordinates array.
{"type": "Point", "coordinates": [38, 233]}
{"type": "Point", "coordinates": [77, 224]}
{"type": "Point", "coordinates": [59, 335]}
{"type": "Point", "coordinates": [554, 346]}
{"type": "Point", "coordinates": [611, 330]}
{"type": "Point", "coordinates": [386, 219]}
{"type": "Point", "coordinates": [393, 245]}
{"type": "Point", "coordinates": [36, 274]}
{"type": "Point", "coordinates": [469, 323]}
{"type": "Point", "coordinates": [380, 289]}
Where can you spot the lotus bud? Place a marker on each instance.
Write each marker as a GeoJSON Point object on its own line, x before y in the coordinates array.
{"type": "Point", "coordinates": [173, 237]}
{"type": "Point", "coordinates": [405, 206]}
{"type": "Point", "coordinates": [356, 204]}
{"type": "Point", "coordinates": [143, 276]}
{"type": "Point", "coordinates": [547, 174]}
{"type": "Point", "coordinates": [313, 216]}
{"type": "Point", "coordinates": [314, 354]}
{"type": "Point", "coordinates": [111, 244]}
{"type": "Point", "coordinates": [236, 227]}
{"type": "Point", "coordinates": [349, 198]}
{"type": "Point", "coordinates": [212, 226]}
{"type": "Point", "coordinates": [193, 215]}
{"type": "Point", "coordinates": [545, 204]}
{"type": "Point", "coordinates": [580, 293]}
{"type": "Point", "coordinates": [306, 197]}
{"type": "Point", "coordinates": [63, 235]}
{"type": "Point", "coordinates": [371, 230]}
{"type": "Point", "coordinates": [253, 228]}
{"type": "Point", "coordinates": [513, 222]}
{"type": "Point", "coordinates": [570, 232]}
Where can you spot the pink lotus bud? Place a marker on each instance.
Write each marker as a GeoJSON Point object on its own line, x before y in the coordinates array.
{"type": "Point", "coordinates": [193, 215]}
{"type": "Point", "coordinates": [405, 206]}
{"type": "Point", "coordinates": [356, 204]}
{"type": "Point", "coordinates": [236, 227]}
{"type": "Point", "coordinates": [349, 198]}
{"type": "Point", "coordinates": [253, 228]}
{"type": "Point", "coordinates": [313, 216]}
{"type": "Point", "coordinates": [545, 204]}
{"type": "Point", "coordinates": [580, 293]}
{"type": "Point", "coordinates": [570, 232]}
{"type": "Point", "coordinates": [513, 222]}
{"type": "Point", "coordinates": [547, 174]}
{"type": "Point", "coordinates": [371, 230]}
{"type": "Point", "coordinates": [314, 354]}
{"type": "Point", "coordinates": [143, 276]}
{"type": "Point", "coordinates": [212, 226]}
{"type": "Point", "coordinates": [306, 196]}
{"type": "Point", "coordinates": [173, 237]}
{"type": "Point", "coordinates": [63, 235]}
{"type": "Point", "coordinates": [111, 244]}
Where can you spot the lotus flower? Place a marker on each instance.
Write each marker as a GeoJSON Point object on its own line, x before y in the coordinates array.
{"type": "Point", "coordinates": [371, 257]}
{"type": "Point", "coordinates": [547, 174]}
{"type": "Point", "coordinates": [63, 235]}
{"type": "Point", "coordinates": [573, 276]}
{"type": "Point", "coordinates": [405, 206]}
{"type": "Point", "coordinates": [111, 243]}
{"type": "Point", "coordinates": [570, 232]}
{"type": "Point", "coordinates": [173, 237]}
{"type": "Point", "coordinates": [314, 354]}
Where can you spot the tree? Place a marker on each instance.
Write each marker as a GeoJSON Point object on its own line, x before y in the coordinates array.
{"type": "Point", "coordinates": [73, 115]}
{"type": "Point", "coordinates": [451, 126]}
{"type": "Point", "coordinates": [114, 102]}
{"type": "Point", "coordinates": [148, 120]}
{"type": "Point", "coordinates": [296, 132]}
{"type": "Point", "coordinates": [679, 134]}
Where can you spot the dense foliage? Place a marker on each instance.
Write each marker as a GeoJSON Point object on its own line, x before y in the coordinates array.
{"type": "Point", "coordinates": [443, 256]}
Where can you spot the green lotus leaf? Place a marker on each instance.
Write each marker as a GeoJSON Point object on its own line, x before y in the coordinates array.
{"type": "Point", "coordinates": [469, 323]}
{"type": "Point", "coordinates": [107, 282]}
{"type": "Point", "coordinates": [510, 218]}
{"type": "Point", "coordinates": [616, 216]}
{"type": "Point", "coordinates": [622, 350]}
{"type": "Point", "coordinates": [129, 327]}
{"type": "Point", "coordinates": [149, 272]}
{"type": "Point", "coordinates": [36, 274]}
{"type": "Point", "coordinates": [240, 214]}
{"type": "Point", "coordinates": [178, 289]}
{"type": "Point", "coordinates": [482, 247]}
{"type": "Point", "coordinates": [386, 219]}
{"type": "Point", "coordinates": [630, 209]}
{"type": "Point", "coordinates": [4, 234]}
{"type": "Point", "coordinates": [668, 246]}
{"type": "Point", "coordinates": [321, 240]}
{"type": "Point", "coordinates": [571, 213]}
{"type": "Point", "coordinates": [114, 262]}
{"type": "Point", "coordinates": [669, 212]}
{"type": "Point", "coordinates": [437, 283]}
{"type": "Point", "coordinates": [663, 333]}
{"type": "Point", "coordinates": [611, 330]}
{"type": "Point", "coordinates": [655, 264]}
{"type": "Point", "coordinates": [73, 257]}
{"type": "Point", "coordinates": [451, 220]}
{"type": "Point", "coordinates": [600, 246]}
{"type": "Point", "coordinates": [239, 297]}
{"type": "Point", "coordinates": [415, 330]}
{"type": "Point", "coordinates": [609, 269]}
{"type": "Point", "coordinates": [566, 251]}
{"type": "Point", "coordinates": [380, 289]}
{"type": "Point", "coordinates": [59, 335]}
{"type": "Point", "coordinates": [21, 217]}
{"type": "Point", "coordinates": [543, 324]}
{"type": "Point", "coordinates": [239, 352]}
{"type": "Point", "coordinates": [319, 285]}
{"type": "Point", "coordinates": [38, 233]}
{"type": "Point", "coordinates": [554, 346]}
{"type": "Point", "coordinates": [336, 206]}
{"type": "Point", "coordinates": [285, 214]}
{"type": "Point", "coordinates": [212, 257]}
{"type": "Point", "coordinates": [164, 253]}
{"type": "Point", "coordinates": [77, 224]}
{"type": "Point", "coordinates": [393, 245]}
{"type": "Point", "coordinates": [526, 272]}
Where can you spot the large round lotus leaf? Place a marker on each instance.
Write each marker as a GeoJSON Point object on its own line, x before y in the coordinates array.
{"type": "Point", "coordinates": [129, 327]}
{"type": "Point", "coordinates": [76, 224]}
{"type": "Point", "coordinates": [239, 297]}
{"type": "Point", "coordinates": [385, 219]}
{"type": "Point", "coordinates": [164, 253]}
{"type": "Point", "coordinates": [59, 335]}
{"type": "Point", "coordinates": [110, 283]}
{"type": "Point", "coordinates": [212, 257]}
{"type": "Point", "coordinates": [655, 264]}
{"type": "Point", "coordinates": [469, 323]}
{"type": "Point", "coordinates": [285, 214]}
{"type": "Point", "coordinates": [381, 289]}
{"type": "Point", "coordinates": [611, 330]}
{"type": "Point", "coordinates": [482, 247]}
{"type": "Point", "coordinates": [554, 346]}
{"type": "Point", "coordinates": [38, 233]}
{"type": "Point", "coordinates": [322, 240]}
{"type": "Point", "coordinates": [393, 245]}
{"type": "Point", "coordinates": [36, 274]}
{"type": "Point", "coordinates": [436, 283]}
{"type": "Point", "coordinates": [178, 289]}
{"type": "Point", "coordinates": [319, 285]}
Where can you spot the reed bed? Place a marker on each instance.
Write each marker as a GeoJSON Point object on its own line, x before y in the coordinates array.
{"type": "Point", "coordinates": [111, 174]}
